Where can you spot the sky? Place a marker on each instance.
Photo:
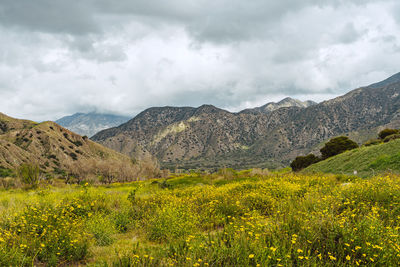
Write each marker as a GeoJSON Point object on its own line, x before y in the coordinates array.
{"type": "Point", "coordinates": [60, 57]}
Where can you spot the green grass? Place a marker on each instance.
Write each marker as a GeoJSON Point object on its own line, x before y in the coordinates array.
{"type": "Point", "coordinates": [367, 161]}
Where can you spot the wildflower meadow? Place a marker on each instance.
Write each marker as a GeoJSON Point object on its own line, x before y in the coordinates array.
{"type": "Point", "coordinates": [206, 220]}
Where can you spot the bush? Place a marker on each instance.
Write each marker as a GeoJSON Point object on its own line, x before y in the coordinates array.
{"type": "Point", "coordinates": [372, 142]}
{"type": "Point", "coordinates": [228, 173]}
{"type": "Point", "coordinates": [29, 174]}
{"type": "Point", "coordinates": [336, 146]}
{"type": "Point", "coordinates": [122, 220]}
{"type": "Point", "coordinates": [302, 162]}
{"type": "Point", "coordinates": [6, 183]}
{"type": "Point", "coordinates": [386, 132]}
{"type": "Point", "coordinates": [77, 143]}
{"type": "Point", "coordinates": [73, 156]}
{"type": "Point", "coordinates": [391, 137]}
{"type": "Point", "coordinates": [6, 172]}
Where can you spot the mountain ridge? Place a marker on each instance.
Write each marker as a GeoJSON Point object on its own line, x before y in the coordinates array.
{"type": "Point", "coordinates": [284, 103]}
{"type": "Point", "coordinates": [208, 137]}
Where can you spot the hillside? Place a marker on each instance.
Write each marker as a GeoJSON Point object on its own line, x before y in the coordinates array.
{"type": "Point", "coordinates": [90, 123]}
{"type": "Point", "coordinates": [209, 137]}
{"type": "Point", "coordinates": [51, 146]}
{"type": "Point", "coordinates": [367, 161]}
{"type": "Point", "coordinates": [8, 124]}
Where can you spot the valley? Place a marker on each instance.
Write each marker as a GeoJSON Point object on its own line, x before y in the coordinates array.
{"type": "Point", "coordinates": [199, 133]}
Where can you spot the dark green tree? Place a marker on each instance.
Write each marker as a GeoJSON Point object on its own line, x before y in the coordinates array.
{"type": "Point", "coordinates": [336, 146]}
{"type": "Point", "coordinates": [391, 137]}
{"type": "Point", "coordinates": [386, 132]}
{"type": "Point", "coordinates": [302, 162]}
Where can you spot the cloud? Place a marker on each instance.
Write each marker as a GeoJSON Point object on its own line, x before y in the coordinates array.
{"type": "Point", "coordinates": [53, 16]}
{"type": "Point", "coordinates": [60, 57]}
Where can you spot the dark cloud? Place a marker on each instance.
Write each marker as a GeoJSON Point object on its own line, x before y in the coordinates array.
{"type": "Point", "coordinates": [224, 20]}
{"type": "Point", "coordinates": [55, 16]}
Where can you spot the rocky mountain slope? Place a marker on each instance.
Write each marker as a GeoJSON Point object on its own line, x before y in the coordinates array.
{"type": "Point", "coordinates": [90, 123]}
{"type": "Point", "coordinates": [208, 137]}
{"type": "Point", "coordinates": [284, 103]}
{"type": "Point", "coordinates": [47, 144]}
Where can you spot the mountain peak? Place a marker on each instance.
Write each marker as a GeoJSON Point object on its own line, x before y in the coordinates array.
{"type": "Point", "coordinates": [208, 108]}
{"type": "Point", "coordinates": [287, 99]}
{"type": "Point", "coordinates": [284, 103]}
{"type": "Point", "coordinates": [90, 123]}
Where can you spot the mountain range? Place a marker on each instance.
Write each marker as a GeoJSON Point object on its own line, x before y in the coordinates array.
{"type": "Point", "coordinates": [209, 137]}
{"type": "Point", "coordinates": [90, 123]}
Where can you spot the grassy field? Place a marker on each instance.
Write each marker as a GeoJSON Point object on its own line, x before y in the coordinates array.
{"type": "Point", "coordinates": [367, 161]}
{"type": "Point", "coordinates": [241, 219]}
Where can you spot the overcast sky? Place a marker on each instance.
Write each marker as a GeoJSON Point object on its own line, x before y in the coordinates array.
{"type": "Point", "coordinates": [58, 57]}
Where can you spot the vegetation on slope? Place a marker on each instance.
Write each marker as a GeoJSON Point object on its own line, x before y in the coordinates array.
{"type": "Point", "coordinates": [232, 219]}
{"type": "Point", "coordinates": [56, 151]}
{"type": "Point", "coordinates": [366, 160]}
{"type": "Point", "coordinates": [331, 148]}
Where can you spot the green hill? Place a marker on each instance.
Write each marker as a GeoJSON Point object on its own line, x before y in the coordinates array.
{"type": "Point", "coordinates": [367, 161]}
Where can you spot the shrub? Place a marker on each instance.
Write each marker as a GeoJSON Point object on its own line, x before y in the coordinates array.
{"type": "Point", "coordinates": [391, 137]}
{"type": "Point", "coordinates": [386, 132]}
{"type": "Point", "coordinates": [372, 142]}
{"type": "Point", "coordinates": [337, 145]}
{"type": "Point", "coordinates": [228, 173]}
{"type": "Point", "coordinates": [6, 183]}
{"type": "Point", "coordinates": [122, 220]}
{"type": "Point", "coordinates": [108, 171]}
{"type": "Point", "coordinates": [29, 174]}
{"type": "Point", "coordinates": [6, 172]}
{"type": "Point", "coordinates": [77, 143]}
{"type": "Point", "coordinates": [302, 162]}
{"type": "Point", "coordinates": [259, 201]}
{"type": "Point", "coordinates": [73, 156]}
{"type": "Point", "coordinates": [80, 170]}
